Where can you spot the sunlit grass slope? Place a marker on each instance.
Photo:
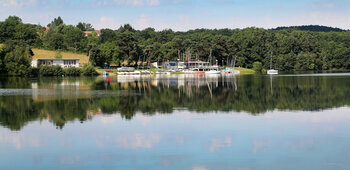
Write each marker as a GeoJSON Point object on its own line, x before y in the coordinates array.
{"type": "Point", "coordinates": [245, 70]}
{"type": "Point", "coordinates": [47, 54]}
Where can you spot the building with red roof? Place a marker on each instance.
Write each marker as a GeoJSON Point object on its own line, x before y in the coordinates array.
{"type": "Point", "coordinates": [98, 32]}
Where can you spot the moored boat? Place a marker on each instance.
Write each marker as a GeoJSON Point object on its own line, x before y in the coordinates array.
{"type": "Point", "coordinates": [272, 71]}
{"type": "Point", "coordinates": [213, 72]}
{"type": "Point", "coordinates": [231, 71]}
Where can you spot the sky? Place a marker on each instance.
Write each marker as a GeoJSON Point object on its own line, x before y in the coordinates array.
{"type": "Point", "coordinates": [182, 15]}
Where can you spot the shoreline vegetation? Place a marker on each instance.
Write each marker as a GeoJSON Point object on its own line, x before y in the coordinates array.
{"type": "Point", "coordinates": [308, 48]}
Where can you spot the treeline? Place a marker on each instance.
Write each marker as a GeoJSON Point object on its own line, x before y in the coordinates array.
{"type": "Point", "coordinates": [291, 49]}
{"type": "Point", "coordinates": [314, 28]}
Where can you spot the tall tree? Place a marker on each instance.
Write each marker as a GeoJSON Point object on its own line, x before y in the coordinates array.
{"type": "Point", "coordinates": [107, 35]}
{"type": "Point", "coordinates": [85, 26]}
{"type": "Point", "coordinates": [8, 28]}
{"type": "Point", "coordinates": [55, 23]}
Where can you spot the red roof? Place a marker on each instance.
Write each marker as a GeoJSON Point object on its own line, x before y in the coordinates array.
{"type": "Point", "coordinates": [98, 32]}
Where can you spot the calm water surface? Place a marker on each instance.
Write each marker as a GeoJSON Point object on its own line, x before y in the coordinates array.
{"type": "Point", "coordinates": [176, 122]}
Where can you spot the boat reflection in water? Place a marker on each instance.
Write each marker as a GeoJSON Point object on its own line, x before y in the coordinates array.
{"type": "Point", "coordinates": [174, 121]}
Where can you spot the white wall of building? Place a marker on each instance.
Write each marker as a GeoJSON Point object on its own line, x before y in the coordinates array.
{"type": "Point", "coordinates": [64, 63]}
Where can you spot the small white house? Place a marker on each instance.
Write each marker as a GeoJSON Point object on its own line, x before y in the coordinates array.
{"type": "Point", "coordinates": [64, 63]}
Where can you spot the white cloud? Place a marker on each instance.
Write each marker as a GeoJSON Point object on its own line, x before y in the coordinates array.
{"type": "Point", "coordinates": [135, 2]}
{"type": "Point", "coordinates": [19, 140]}
{"type": "Point", "coordinates": [142, 22]}
{"type": "Point", "coordinates": [153, 2]}
{"type": "Point", "coordinates": [106, 22]}
{"type": "Point", "coordinates": [322, 5]}
{"type": "Point", "coordinates": [17, 3]}
{"type": "Point", "coordinates": [217, 144]}
{"type": "Point", "coordinates": [261, 146]}
{"type": "Point", "coordinates": [138, 141]}
{"type": "Point", "coordinates": [196, 167]}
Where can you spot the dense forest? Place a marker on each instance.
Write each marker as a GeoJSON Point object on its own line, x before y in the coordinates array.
{"type": "Point", "coordinates": [291, 49]}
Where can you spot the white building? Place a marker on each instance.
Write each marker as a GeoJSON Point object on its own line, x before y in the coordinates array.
{"type": "Point", "coordinates": [64, 63]}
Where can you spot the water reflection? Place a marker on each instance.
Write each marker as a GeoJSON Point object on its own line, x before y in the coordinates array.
{"type": "Point", "coordinates": [61, 100]}
{"type": "Point", "coordinates": [275, 140]}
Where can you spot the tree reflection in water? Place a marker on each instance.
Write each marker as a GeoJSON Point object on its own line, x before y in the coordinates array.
{"type": "Point", "coordinates": [67, 99]}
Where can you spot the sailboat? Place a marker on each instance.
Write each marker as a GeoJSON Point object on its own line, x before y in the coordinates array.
{"type": "Point", "coordinates": [272, 71]}
{"type": "Point", "coordinates": [212, 69]}
{"type": "Point", "coordinates": [232, 71]}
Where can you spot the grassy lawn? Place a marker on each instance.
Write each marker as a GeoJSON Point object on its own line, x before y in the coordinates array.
{"type": "Point", "coordinates": [47, 54]}
{"type": "Point", "coordinates": [245, 70]}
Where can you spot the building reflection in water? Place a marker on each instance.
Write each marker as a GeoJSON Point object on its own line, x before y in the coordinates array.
{"type": "Point", "coordinates": [184, 82]}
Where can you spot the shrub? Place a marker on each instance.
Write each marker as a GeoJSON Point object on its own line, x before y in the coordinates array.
{"type": "Point", "coordinates": [51, 70]}
{"type": "Point", "coordinates": [89, 70]}
{"type": "Point", "coordinates": [34, 71]}
{"type": "Point", "coordinates": [72, 71]}
{"type": "Point", "coordinates": [257, 66]}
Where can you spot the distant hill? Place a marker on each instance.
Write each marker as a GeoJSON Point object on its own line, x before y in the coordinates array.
{"type": "Point", "coordinates": [313, 28]}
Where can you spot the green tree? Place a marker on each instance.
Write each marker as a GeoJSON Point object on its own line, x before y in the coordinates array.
{"type": "Point", "coordinates": [85, 26]}
{"type": "Point", "coordinates": [55, 23]}
{"type": "Point", "coordinates": [17, 60]}
{"type": "Point", "coordinates": [8, 28]}
{"type": "Point", "coordinates": [128, 45]}
{"type": "Point", "coordinates": [110, 53]}
{"type": "Point", "coordinates": [257, 66]}
{"type": "Point", "coordinates": [74, 38]}
{"type": "Point", "coordinates": [107, 35]}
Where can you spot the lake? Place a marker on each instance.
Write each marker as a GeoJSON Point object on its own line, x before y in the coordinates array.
{"type": "Point", "coordinates": [176, 122]}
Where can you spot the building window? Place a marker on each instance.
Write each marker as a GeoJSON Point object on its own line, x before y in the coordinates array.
{"type": "Point", "coordinates": [46, 62]}
{"type": "Point", "coordinates": [69, 62]}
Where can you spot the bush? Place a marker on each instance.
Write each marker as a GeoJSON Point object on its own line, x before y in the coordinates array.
{"type": "Point", "coordinates": [257, 66]}
{"type": "Point", "coordinates": [34, 71]}
{"type": "Point", "coordinates": [72, 71]}
{"type": "Point", "coordinates": [51, 70]}
{"type": "Point", "coordinates": [89, 70]}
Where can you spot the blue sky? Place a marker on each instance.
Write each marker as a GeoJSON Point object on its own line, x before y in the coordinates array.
{"type": "Point", "coordinates": [182, 15]}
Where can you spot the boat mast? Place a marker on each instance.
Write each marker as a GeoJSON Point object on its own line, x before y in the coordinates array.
{"type": "Point", "coordinates": [210, 57]}
{"type": "Point", "coordinates": [234, 62]}
{"type": "Point", "coordinates": [271, 61]}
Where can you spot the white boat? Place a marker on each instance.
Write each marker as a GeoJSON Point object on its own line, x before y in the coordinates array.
{"type": "Point", "coordinates": [130, 73]}
{"type": "Point", "coordinates": [213, 72]}
{"type": "Point", "coordinates": [272, 71]}
{"type": "Point", "coordinates": [212, 69]}
{"type": "Point", "coordinates": [162, 72]}
{"type": "Point", "coordinates": [231, 71]}
{"type": "Point", "coordinates": [188, 71]}
{"type": "Point", "coordinates": [146, 72]}
{"type": "Point", "coordinates": [126, 69]}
